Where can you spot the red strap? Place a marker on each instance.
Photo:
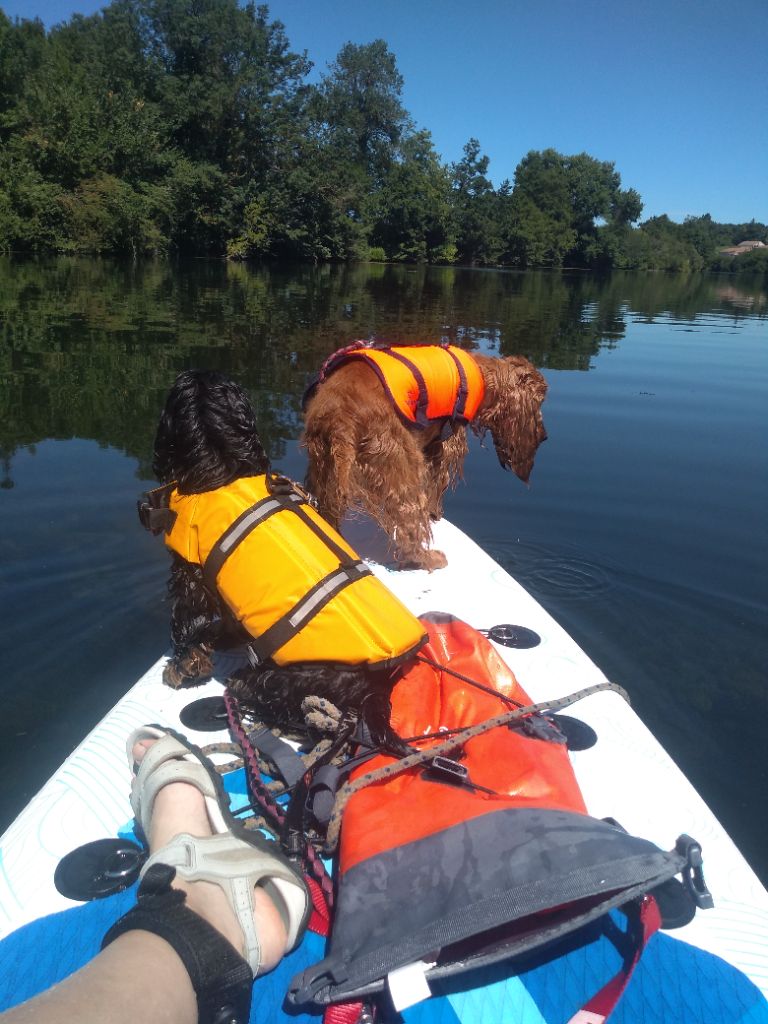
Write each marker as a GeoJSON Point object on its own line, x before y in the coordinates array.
{"type": "Point", "coordinates": [604, 1002]}
{"type": "Point", "coordinates": [320, 918]}
{"type": "Point", "coordinates": [343, 1013]}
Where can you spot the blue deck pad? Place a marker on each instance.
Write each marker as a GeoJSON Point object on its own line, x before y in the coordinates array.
{"type": "Point", "coordinates": [48, 950]}
{"type": "Point", "coordinates": [674, 983]}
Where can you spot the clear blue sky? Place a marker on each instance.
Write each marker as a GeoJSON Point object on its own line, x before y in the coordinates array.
{"type": "Point", "coordinates": [674, 92]}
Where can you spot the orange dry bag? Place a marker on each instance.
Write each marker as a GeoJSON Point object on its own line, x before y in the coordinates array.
{"type": "Point", "coordinates": [484, 855]}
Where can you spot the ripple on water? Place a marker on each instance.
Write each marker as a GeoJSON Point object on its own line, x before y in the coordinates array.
{"type": "Point", "coordinates": [548, 573]}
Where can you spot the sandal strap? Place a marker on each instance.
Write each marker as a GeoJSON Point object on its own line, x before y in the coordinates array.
{"type": "Point", "coordinates": [221, 978]}
{"type": "Point", "coordinates": [167, 761]}
{"type": "Point", "coordinates": [237, 867]}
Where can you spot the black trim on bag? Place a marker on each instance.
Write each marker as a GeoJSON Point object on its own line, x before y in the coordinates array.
{"type": "Point", "coordinates": [484, 920]}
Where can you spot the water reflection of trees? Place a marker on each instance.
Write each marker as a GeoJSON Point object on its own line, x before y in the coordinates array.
{"type": "Point", "coordinates": [88, 348]}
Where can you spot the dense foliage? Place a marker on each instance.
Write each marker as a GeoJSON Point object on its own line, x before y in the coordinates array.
{"type": "Point", "coordinates": [159, 126]}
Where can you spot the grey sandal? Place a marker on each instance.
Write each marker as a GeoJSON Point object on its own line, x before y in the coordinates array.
{"type": "Point", "coordinates": [234, 858]}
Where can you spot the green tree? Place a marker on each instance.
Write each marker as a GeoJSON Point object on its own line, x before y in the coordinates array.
{"type": "Point", "coordinates": [475, 207]}
{"type": "Point", "coordinates": [411, 215]}
{"type": "Point", "coordinates": [574, 193]}
{"type": "Point", "coordinates": [358, 107]}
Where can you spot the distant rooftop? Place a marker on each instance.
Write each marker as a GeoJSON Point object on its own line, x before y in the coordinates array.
{"type": "Point", "coordinates": [737, 250]}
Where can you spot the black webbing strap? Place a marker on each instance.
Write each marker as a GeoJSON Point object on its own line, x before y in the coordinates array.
{"type": "Point", "coordinates": [422, 402]}
{"type": "Point", "coordinates": [349, 570]}
{"type": "Point", "coordinates": [280, 753]}
{"type": "Point", "coordinates": [288, 625]}
{"type": "Point", "coordinates": [463, 391]}
{"type": "Point", "coordinates": [343, 556]}
{"type": "Point", "coordinates": [221, 978]}
{"type": "Point", "coordinates": [245, 524]}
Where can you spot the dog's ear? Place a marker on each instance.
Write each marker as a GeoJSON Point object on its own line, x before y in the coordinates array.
{"type": "Point", "coordinates": [511, 411]}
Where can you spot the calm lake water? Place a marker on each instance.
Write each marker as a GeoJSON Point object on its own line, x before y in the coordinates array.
{"type": "Point", "coordinates": [644, 529]}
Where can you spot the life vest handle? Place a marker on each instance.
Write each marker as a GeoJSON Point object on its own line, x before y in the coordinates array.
{"type": "Point", "coordinates": [155, 514]}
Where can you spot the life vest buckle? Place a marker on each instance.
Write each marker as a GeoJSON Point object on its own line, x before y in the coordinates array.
{"type": "Point", "coordinates": [253, 657]}
{"type": "Point", "coordinates": [283, 487]}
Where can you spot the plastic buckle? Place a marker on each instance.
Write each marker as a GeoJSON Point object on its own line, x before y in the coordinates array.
{"type": "Point", "coordinates": [693, 872]}
{"type": "Point", "coordinates": [253, 658]}
{"type": "Point", "coordinates": [541, 727]}
{"type": "Point", "coordinates": [279, 485]}
{"type": "Point", "coordinates": [448, 770]}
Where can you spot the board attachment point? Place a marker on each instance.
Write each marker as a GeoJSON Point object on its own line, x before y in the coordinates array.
{"type": "Point", "coordinates": [208, 714]}
{"type": "Point", "coordinates": [98, 869]}
{"type": "Point", "coordinates": [509, 635]}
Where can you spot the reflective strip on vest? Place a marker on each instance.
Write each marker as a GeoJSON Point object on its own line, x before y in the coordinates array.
{"type": "Point", "coordinates": [288, 626]}
{"type": "Point", "coordinates": [238, 531]}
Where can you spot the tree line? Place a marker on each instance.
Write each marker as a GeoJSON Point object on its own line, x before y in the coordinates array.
{"type": "Point", "coordinates": [154, 127]}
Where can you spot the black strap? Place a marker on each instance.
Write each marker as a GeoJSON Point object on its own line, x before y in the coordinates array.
{"type": "Point", "coordinates": [244, 525]}
{"type": "Point", "coordinates": [343, 556]}
{"type": "Point", "coordinates": [288, 625]}
{"type": "Point", "coordinates": [280, 753]}
{"type": "Point", "coordinates": [423, 400]}
{"type": "Point", "coordinates": [254, 516]}
{"type": "Point", "coordinates": [221, 978]}
{"type": "Point", "coordinates": [463, 391]}
{"type": "Point", "coordinates": [349, 570]}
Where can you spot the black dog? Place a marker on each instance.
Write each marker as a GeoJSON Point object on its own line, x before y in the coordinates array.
{"type": "Point", "coordinates": [206, 440]}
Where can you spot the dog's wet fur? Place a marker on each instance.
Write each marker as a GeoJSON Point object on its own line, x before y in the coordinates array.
{"type": "Point", "coordinates": [207, 438]}
{"type": "Point", "coordinates": [362, 456]}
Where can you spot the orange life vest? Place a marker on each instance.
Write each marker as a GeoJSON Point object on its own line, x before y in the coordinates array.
{"type": "Point", "coordinates": [426, 383]}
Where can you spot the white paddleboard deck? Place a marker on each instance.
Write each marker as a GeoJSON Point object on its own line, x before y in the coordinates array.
{"type": "Point", "coordinates": [626, 775]}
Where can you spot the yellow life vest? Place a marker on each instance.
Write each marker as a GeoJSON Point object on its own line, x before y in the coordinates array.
{"type": "Point", "coordinates": [425, 382]}
{"type": "Point", "coordinates": [288, 577]}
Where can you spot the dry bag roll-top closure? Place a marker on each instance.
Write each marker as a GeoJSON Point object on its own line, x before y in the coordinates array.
{"type": "Point", "coordinates": [294, 584]}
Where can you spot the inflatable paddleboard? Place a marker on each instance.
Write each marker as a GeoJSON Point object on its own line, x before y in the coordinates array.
{"type": "Point", "coordinates": [714, 969]}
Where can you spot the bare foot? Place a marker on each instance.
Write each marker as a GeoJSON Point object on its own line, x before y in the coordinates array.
{"type": "Point", "coordinates": [179, 807]}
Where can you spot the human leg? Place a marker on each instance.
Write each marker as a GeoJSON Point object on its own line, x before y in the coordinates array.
{"type": "Point", "coordinates": [139, 972]}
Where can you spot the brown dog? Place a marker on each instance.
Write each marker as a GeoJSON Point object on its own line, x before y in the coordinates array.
{"type": "Point", "coordinates": [369, 450]}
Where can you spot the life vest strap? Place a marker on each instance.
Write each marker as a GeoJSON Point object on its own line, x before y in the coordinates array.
{"type": "Point", "coordinates": [288, 625]}
{"type": "Point", "coordinates": [462, 392]}
{"type": "Point", "coordinates": [240, 529]}
{"type": "Point", "coordinates": [246, 522]}
{"type": "Point", "coordinates": [422, 402]}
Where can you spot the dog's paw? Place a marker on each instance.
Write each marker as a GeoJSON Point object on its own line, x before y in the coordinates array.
{"type": "Point", "coordinates": [196, 666]}
{"type": "Point", "coordinates": [429, 559]}
{"type": "Point", "coordinates": [172, 676]}
{"type": "Point", "coordinates": [436, 560]}
{"type": "Point", "coordinates": [433, 559]}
